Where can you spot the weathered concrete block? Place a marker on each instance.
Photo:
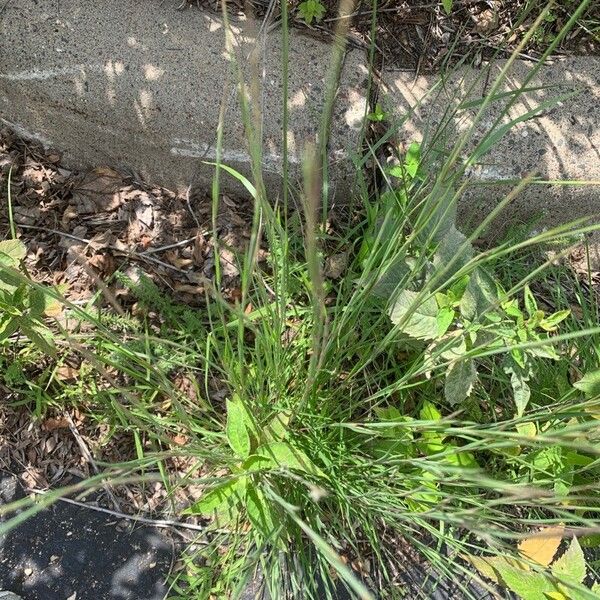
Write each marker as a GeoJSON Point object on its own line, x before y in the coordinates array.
{"type": "Point", "coordinates": [562, 143]}
{"type": "Point", "coordinates": [140, 85]}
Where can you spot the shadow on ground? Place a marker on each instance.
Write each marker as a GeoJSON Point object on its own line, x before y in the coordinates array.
{"type": "Point", "coordinates": [71, 553]}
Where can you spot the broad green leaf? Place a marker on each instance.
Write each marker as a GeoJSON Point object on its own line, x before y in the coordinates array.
{"type": "Point", "coordinates": [527, 429]}
{"type": "Point", "coordinates": [429, 412]}
{"type": "Point", "coordinates": [444, 319]}
{"type": "Point", "coordinates": [453, 253]}
{"type": "Point", "coordinates": [8, 326]}
{"type": "Point", "coordinates": [237, 433]}
{"type": "Point", "coordinates": [490, 566]}
{"type": "Point", "coordinates": [413, 159]}
{"type": "Point", "coordinates": [529, 585]}
{"type": "Point", "coordinates": [13, 250]}
{"type": "Point", "coordinates": [542, 545]}
{"type": "Point", "coordinates": [480, 294]}
{"type": "Point", "coordinates": [550, 322]}
{"type": "Point", "coordinates": [426, 495]}
{"type": "Point", "coordinates": [39, 335]}
{"type": "Point", "coordinates": [460, 458]}
{"type": "Point", "coordinates": [447, 4]}
{"type": "Point", "coordinates": [259, 510]}
{"type": "Point", "coordinates": [214, 498]}
{"type": "Point", "coordinates": [258, 463]}
{"type": "Point", "coordinates": [277, 429]}
{"type": "Point", "coordinates": [420, 321]}
{"type": "Point", "coordinates": [589, 384]}
{"type": "Point", "coordinates": [570, 567]}
{"type": "Point", "coordinates": [521, 391]}
{"type": "Point", "coordinates": [460, 379]}
{"type": "Point", "coordinates": [390, 280]}
{"type": "Point", "coordinates": [284, 455]}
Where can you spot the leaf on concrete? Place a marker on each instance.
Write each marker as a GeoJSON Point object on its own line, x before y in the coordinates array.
{"type": "Point", "coordinates": [460, 379]}
{"type": "Point", "coordinates": [416, 318]}
{"type": "Point", "coordinates": [542, 545]}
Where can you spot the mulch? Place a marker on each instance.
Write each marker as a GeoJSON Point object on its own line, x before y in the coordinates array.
{"type": "Point", "coordinates": [80, 229]}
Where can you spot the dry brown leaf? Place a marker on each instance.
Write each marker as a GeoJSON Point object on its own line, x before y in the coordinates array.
{"type": "Point", "coordinates": [51, 424]}
{"type": "Point", "coordinates": [542, 545]}
{"type": "Point", "coordinates": [176, 260]}
{"type": "Point", "coordinates": [66, 373]}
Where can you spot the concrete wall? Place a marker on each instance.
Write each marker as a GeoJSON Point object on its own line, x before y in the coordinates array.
{"type": "Point", "coordinates": [140, 85]}
{"type": "Point", "coordinates": [562, 142]}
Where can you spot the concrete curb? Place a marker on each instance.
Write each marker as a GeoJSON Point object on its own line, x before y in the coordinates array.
{"type": "Point", "coordinates": [560, 143]}
{"type": "Point", "coordinates": [140, 85]}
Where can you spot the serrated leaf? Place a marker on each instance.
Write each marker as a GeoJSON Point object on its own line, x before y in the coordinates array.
{"type": "Point", "coordinates": [447, 4]}
{"type": "Point", "coordinates": [14, 249]}
{"type": "Point", "coordinates": [589, 384]}
{"type": "Point", "coordinates": [571, 566]}
{"type": "Point", "coordinates": [453, 253]}
{"type": "Point", "coordinates": [550, 323]}
{"type": "Point", "coordinates": [237, 433]}
{"type": "Point", "coordinates": [460, 379]}
{"type": "Point", "coordinates": [419, 322]}
{"type": "Point", "coordinates": [490, 566]}
{"type": "Point", "coordinates": [214, 498]}
{"type": "Point", "coordinates": [542, 545]}
{"type": "Point", "coordinates": [479, 296]}
{"type": "Point", "coordinates": [284, 455]}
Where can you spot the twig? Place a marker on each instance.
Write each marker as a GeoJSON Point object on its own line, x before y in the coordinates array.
{"type": "Point", "coordinates": [162, 523]}
{"type": "Point", "coordinates": [168, 247]}
{"type": "Point", "coordinates": [90, 459]}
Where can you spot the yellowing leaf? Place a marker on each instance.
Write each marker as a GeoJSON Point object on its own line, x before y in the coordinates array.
{"type": "Point", "coordinates": [492, 566]}
{"type": "Point", "coordinates": [542, 546]}
{"type": "Point", "coordinates": [556, 596]}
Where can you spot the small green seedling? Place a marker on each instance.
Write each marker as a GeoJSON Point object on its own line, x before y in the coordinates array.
{"type": "Point", "coordinates": [23, 307]}
{"type": "Point", "coordinates": [311, 10]}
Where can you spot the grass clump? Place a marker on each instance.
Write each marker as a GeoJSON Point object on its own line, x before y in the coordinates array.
{"type": "Point", "coordinates": [432, 401]}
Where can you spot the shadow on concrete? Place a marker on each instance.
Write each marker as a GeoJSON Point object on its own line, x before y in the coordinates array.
{"type": "Point", "coordinates": [72, 553]}
{"type": "Point", "coordinates": [141, 85]}
{"type": "Point", "coordinates": [561, 142]}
